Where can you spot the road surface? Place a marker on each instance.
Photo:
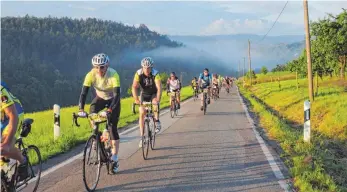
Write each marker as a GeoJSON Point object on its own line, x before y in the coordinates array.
{"type": "Point", "coordinates": [194, 152]}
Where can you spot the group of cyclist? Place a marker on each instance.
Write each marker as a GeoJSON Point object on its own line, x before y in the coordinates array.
{"type": "Point", "coordinates": [106, 83]}
{"type": "Point", "coordinates": [205, 81]}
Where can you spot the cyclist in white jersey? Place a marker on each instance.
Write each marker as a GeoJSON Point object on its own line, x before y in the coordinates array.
{"type": "Point", "coordinates": [173, 85]}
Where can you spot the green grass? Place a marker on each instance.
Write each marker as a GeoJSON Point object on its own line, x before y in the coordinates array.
{"type": "Point", "coordinates": [272, 77]}
{"type": "Point", "coordinates": [42, 130]}
{"type": "Point", "coordinates": [280, 112]}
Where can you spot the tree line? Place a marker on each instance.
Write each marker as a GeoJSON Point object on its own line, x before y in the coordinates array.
{"type": "Point", "coordinates": [44, 60]}
{"type": "Point", "coordinates": [328, 48]}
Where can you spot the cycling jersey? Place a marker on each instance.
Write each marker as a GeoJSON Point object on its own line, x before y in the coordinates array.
{"type": "Point", "coordinates": [147, 83]}
{"type": "Point", "coordinates": [194, 83]}
{"type": "Point", "coordinates": [215, 81]}
{"type": "Point", "coordinates": [105, 85]}
{"type": "Point", "coordinates": [173, 85]}
{"type": "Point", "coordinates": [205, 80]}
{"type": "Point", "coordinates": [7, 99]}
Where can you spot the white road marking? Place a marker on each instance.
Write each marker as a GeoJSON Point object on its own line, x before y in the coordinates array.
{"type": "Point", "coordinates": [276, 170]}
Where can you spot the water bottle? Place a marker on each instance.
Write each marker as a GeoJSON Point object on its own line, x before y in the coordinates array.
{"type": "Point", "coordinates": [106, 138]}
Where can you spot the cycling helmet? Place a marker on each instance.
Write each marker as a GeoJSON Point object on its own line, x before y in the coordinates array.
{"type": "Point", "coordinates": [206, 69]}
{"type": "Point", "coordinates": [100, 59]}
{"type": "Point", "coordinates": [147, 62]}
{"type": "Point", "coordinates": [173, 73]}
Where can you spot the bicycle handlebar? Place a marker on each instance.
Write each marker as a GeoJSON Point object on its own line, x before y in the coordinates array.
{"type": "Point", "coordinates": [142, 103]}
{"type": "Point", "coordinates": [90, 116]}
{"type": "Point", "coordinates": [75, 117]}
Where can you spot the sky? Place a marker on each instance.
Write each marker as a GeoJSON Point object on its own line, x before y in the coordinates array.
{"type": "Point", "coordinates": [186, 17]}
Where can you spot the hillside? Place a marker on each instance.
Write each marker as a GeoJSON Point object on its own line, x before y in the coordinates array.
{"type": "Point", "coordinates": [44, 60]}
{"type": "Point", "coordinates": [232, 48]}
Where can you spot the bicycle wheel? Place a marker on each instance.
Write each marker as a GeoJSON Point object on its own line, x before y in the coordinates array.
{"type": "Point", "coordinates": [91, 163]}
{"type": "Point", "coordinates": [145, 140]}
{"type": "Point", "coordinates": [152, 134]}
{"type": "Point", "coordinates": [172, 108]}
{"type": "Point", "coordinates": [34, 167]}
{"type": "Point", "coordinates": [204, 104]}
{"type": "Point", "coordinates": [4, 185]}
{"type": "Point", "coordinates": [176, 108]}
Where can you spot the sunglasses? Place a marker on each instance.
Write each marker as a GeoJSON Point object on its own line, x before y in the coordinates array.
{"type": "Point", "coordinates": [100, 67]}
{"type": "Point", "coordinates": [172, 76]}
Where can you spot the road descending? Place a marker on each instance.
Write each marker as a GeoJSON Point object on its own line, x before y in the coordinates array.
{"type": "Point", "coordinates": [194, 152]}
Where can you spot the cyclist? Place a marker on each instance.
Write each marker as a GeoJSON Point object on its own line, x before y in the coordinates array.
{"type": "Point", "coordinates": [11, 118]}
{"type": "Point", "coordinates": [194, 84]}
{"type": "Point", "coordinates": [227, 82]}
{"type": "Point", "coordinates": [173, 85]}
{"type": "Point", "coordinates": [216, 82]}
{"type": "Point", "coordinates": [148, 79]}
{"type": "Point", "coordinates": [230, 81]}
{"type": "Point", "coordinates": [205, 80]}
{"type": "Point", "coordinates": [106, 83]}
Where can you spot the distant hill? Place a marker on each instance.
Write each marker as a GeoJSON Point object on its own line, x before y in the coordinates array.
{"type": "Point", "coordinates": [232, 48]}
{"type": "Point", "coordinates": [44, 60]}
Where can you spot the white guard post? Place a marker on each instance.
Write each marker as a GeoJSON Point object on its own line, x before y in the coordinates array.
{"type": "Point", "coordinates": [307, 122]}
{"type": "Point", "coordinates": [56, 110]}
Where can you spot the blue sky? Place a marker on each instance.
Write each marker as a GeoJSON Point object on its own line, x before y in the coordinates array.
{"type": "Point", "coordinates": [186, 18]}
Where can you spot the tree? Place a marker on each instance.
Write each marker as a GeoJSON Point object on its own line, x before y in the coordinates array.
{"type": "Point", "coordinates": [279, 68]}
{"type": "Point", "coordinates": [254, 76]}
{"type": "Point", "coordinates": [264, 70]}
{"type": "Point", "coordinates": [331, 42]}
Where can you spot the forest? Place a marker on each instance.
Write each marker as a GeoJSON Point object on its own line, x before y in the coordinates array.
{"type": "Point", "coordinates": [44, 60]}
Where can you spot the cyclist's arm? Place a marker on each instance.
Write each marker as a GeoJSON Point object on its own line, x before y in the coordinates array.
{"type": "Point", "coordinates": [11, 113]}
{"type": "Point", "coordinates": [157, 81]}
{"type": "Point", "coordinates": [136, 83]}
{"type": "Point", "coordinates": [116, 92]}
{"type": "Point", "coordinates": [167, 85]}
{"type": "Point", "coordinates": [86, 85]}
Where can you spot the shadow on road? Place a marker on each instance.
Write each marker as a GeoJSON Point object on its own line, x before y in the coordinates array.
{"type": "Point", "coordinates": [211, 169]}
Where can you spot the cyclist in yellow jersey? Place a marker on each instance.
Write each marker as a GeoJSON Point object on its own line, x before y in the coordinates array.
{"type": "Point", "coordinates": [11, 119]}
{"type": "Point", "coordinates": [194, 84]}
{"type": "Point", "coordinates": [105, 81]}
{"type": "Point", "coordinates": [148, 79]}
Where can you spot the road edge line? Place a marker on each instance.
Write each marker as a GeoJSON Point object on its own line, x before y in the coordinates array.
{"type": "Point", "coordinates": [271, 160]}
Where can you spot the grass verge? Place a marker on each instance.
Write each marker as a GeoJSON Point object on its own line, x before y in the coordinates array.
{"type": "Point", "coordinates": [315, 166]}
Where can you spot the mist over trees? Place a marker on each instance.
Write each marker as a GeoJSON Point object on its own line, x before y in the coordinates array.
{"type": "Point", "coordinates": [44, 60]}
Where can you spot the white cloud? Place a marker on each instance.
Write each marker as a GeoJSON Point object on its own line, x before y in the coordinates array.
{"type": "Point", "coordinates": [83, 7]}
{"type": "Point", "coordinates": [293, 13]}
{"type": "Point", "coordinates": [224, 27]}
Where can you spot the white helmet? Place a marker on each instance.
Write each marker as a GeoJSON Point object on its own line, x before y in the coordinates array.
{"type": "Point", "coordinates": [100, 59]}
{"type": "Point", "coordinates": [147, 62]}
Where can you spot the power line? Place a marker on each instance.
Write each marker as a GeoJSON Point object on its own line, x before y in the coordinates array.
{"type": "Point", "coordinates": [274, 22]}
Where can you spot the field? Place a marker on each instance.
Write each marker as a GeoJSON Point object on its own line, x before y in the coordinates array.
{"type": "Point", "coordinates": [322, 164]}
{"type": "Point", "coordinates": [42, 130]}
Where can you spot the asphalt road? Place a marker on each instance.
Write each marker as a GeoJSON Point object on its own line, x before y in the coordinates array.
{"type": "Point", "coordinates": [194, 152]}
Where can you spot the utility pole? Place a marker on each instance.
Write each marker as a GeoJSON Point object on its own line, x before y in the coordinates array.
{"type": "Point", "coordinates": [308, 52]}
{"type": "Point", "coordinates": [249, 61]}
{"type": "Point", "coordinates": [181, 77]}
{"type": "Point", "coordinates": [239, 70]}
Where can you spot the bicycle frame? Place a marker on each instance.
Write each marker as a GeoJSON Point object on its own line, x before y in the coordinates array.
{"type": "Point", "coordinates": [105, 158]}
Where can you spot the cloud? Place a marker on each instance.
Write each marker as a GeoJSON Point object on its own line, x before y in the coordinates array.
{"type": "Point", "coordinates": [224, 27]}
{"type": "Point", "coordinates": [292, 14]}
{"type": "Point", "coordinates": [83, 7]}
